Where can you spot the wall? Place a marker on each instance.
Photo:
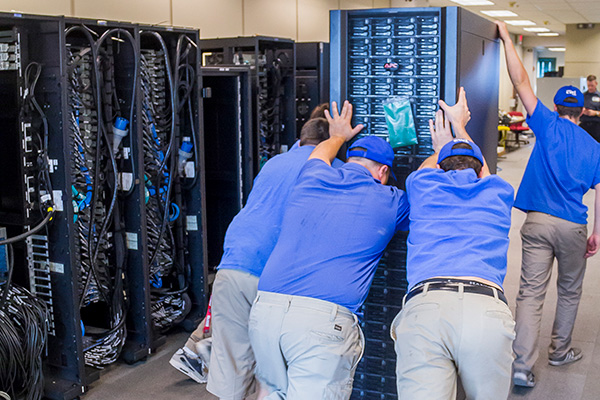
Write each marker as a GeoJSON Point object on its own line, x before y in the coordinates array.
{"type": "Point", "coordinates": [582, 57]}
{"type": "Point", "coordinates": [301, 20]}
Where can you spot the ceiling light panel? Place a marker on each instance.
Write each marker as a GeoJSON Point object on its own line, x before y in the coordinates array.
{"type": "Point", "coordinates": [548, 34]}
{"type": "Point", "coordinates": [520, 22]}
{"type": "Point", "coordinates": [561, 49]}
{"type": "Point", "coordinates": [499, 13]}
{"type": "Point", "coordinates": [473, 2]}
{"type": "Point", "coordinates": [537, 29]}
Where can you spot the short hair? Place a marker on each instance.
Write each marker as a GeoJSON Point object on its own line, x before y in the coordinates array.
{"type": "Point", "coordinates": [457, 163]}
{"type": "Point", "coordinates": [573, 112]}
{"type": "Point", "coordinates": [319, 111]}
{"type": "Point", "coordinates": [314, 132]}
{"type": "Point", "coordinates": [591, 78]}
{"type": "Point", "coordinates": [367, 162]}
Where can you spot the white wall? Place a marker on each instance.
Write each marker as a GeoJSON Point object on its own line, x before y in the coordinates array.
{"type": "Point", "coordinates": [583, 51]}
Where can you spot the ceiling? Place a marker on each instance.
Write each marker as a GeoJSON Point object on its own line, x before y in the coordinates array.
{"type": "Point", "coordinates": [551, 14]}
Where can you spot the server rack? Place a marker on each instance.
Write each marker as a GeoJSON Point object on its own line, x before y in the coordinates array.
{"type": "Point", "coordinates": [312, 79]}
{"type": "Point", "coordinates": [100, 85]}
{"type": "Point", "coordinates": [227, 100]}
{"type": "Point", "coordinates": [424, 54]}
{"type": "Point", "coordinates": [65, 85]}
{"type": "Point", "coordinates": [37, 163]}
{"type": "Point", "coordinates": [272, 62]}
{"type": "Point", "coordinates": [173, 167]}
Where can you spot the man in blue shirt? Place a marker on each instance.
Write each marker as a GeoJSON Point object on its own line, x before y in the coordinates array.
{"type": "Point", "coordinates": [249, 240]}
{"type": "Point", "coordinates": [455, 320]}
{"type": "Point", "coordinates": [564, 165]}
{"type": "Point", "coordinates": [303, 325]}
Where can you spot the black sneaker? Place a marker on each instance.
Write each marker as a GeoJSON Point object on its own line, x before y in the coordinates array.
{"type": "Point", "coordinates": [524, 379]}
{"type": "Point", "coordinates": [574, 354]}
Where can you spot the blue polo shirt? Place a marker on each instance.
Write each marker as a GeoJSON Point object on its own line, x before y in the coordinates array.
{"type": "Point", "coordinates": [564, 165]}
{"type": "Point", "coordinates": [459, 225]}
{"type": "Point", "coordinates": [253, 232]}
{"type": "Point", "coordinates": [335, 228]}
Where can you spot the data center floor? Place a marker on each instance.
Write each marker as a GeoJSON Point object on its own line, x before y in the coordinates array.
{"type": "Point", "coordinates": [156, 379]}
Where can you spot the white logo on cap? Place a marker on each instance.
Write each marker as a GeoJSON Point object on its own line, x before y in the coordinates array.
{"type": "Point", "coordinates": [572, 92]}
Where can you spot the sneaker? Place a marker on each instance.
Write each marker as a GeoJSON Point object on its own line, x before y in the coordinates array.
{"type": "Point", "coordinates": [524, 378]}
{"type": "Point", "coordinates": [574, 354]}
{"type": "Point", "coordinates": [190, 364]}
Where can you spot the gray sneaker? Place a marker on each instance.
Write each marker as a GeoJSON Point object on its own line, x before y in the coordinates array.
{"type": "Point", "coordinates": [574, 354]}
{"type": "Point", "coordinates": [524, 379]}
{"type": "Point", "coordinates": [190, 364]}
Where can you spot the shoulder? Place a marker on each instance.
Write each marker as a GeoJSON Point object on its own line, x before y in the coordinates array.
{"type": "Point", "coordinates": [425, 174]}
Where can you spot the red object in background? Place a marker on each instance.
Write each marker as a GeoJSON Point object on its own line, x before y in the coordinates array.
{"type": "Point", "coordinates": [208, 317]}
{"type": "Point", "coordinates": [520, 39]}
{"type": "Point", "coordinates": [517, 126]}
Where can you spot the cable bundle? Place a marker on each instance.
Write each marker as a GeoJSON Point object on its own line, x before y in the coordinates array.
{"type": "Point", "coordinates": [271, 99]}
{"type": "Point", "coordinates": [23, 335]}
{"type": "Point", "coordinates": [94, 104]}
{"type": "Point", "coordinates": [166, 93]}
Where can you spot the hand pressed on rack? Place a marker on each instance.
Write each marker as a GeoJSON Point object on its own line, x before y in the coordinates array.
{"type": "Point", "coordinates": [340, 131]}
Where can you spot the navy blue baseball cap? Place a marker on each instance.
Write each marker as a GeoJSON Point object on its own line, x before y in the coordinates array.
{"type": "Point", "coordinates": [376, 149]}
{"type": "Point", "coordinates": [448, 151]}
{"type": "Point", "coordinates": [568, 91]}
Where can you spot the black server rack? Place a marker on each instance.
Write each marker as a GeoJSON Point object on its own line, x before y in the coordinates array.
{"type": "Point", "coordinates": [35, 169]}
{"type": "Point", "coordinates": [100, 90]}
{"type": "Point", "coordinates": [74, 124]}
{"type": "Point", "coordinates": [227, 105]}
{"type": "Point", "coordinates": [312, 79]}
{"type": "Point", "coordinates": [272, 62]}
{"type": "Point", "coordinates": [173, 175]}
{"type": "Point", "coordinates": [423, 54]}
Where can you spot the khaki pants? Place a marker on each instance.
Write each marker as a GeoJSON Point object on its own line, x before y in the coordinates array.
{"type": "Point", "coordinates": [544, 238]}
{"type": "Point", "coordinates": [439, 334]}
{"type": "Point", "coordinates": [305, 348]}
{"type": "Point", "coordinates": [231, 372]}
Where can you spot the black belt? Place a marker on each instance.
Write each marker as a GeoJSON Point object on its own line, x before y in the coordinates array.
{"type": "Point", "coordinates": [452, 285]}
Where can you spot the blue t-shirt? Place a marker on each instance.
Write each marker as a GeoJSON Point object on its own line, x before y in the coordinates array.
{"type": "Point", "coordinates": [253, 232]}
{"type": "Point", "coordinates": [459, 225]}
{"type": "Point", "coordinates": [564, 165]}
{"type": "Point", "coordinates": [335, 228]}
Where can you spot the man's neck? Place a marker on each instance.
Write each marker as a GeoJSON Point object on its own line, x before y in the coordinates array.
{"type": "Point", "coordinates": [573, 120]}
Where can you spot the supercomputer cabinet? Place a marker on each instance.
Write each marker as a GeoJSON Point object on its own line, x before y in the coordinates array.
{"type": "Point", "coordinates": [272, 63]}
{"type": "Point", "coordinates": [227, 105]}
{"type": "Point", "coordinates": [173, 178]}
{"type": "Point", "coordinates": [312, 79]}
{"type": "Point", "coordinates": [424, 54]}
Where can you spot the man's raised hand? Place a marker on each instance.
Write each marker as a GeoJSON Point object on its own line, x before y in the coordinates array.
{"type": "Point", "coordinates": [340, 123]}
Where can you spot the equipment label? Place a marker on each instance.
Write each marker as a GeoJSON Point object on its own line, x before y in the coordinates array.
{"type": "Point", "coordinates": [132, 241]}
{"type": "Point", "coordinates": [57, 267]}
{"type": "Point", "coordinates": [192, 223]}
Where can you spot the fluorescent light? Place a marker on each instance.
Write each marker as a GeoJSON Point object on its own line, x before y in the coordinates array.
{"type": "Point", "coordinates": [557, 49]}
{"type": "Point", "coordinates": [499, 13]}
{"type": "Point", "coordinates": [537, 29]}
{"type": "Point", "coordinates": [520, 22]}
{"type": "Point", "coordinates": [548, 34]}
{"type": "Point", "coordinates": [473, 2]}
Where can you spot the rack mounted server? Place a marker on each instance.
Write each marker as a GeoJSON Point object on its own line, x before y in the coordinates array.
{"type": "Point", "coordinates": [423, 54]}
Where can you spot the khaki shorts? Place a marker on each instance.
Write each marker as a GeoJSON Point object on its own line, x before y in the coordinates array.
{"type": "Point", "coordinates": [231, 372]}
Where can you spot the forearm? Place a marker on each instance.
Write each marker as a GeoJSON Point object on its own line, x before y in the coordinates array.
{"type": "Point", "coordinates": [328, 149]}
{"type": "Point", "coordinates": [596, 229]}
{"type": "Point", "coordinates": [516, 70]}
{"type": "Point", "coordinates": [430, 162]}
